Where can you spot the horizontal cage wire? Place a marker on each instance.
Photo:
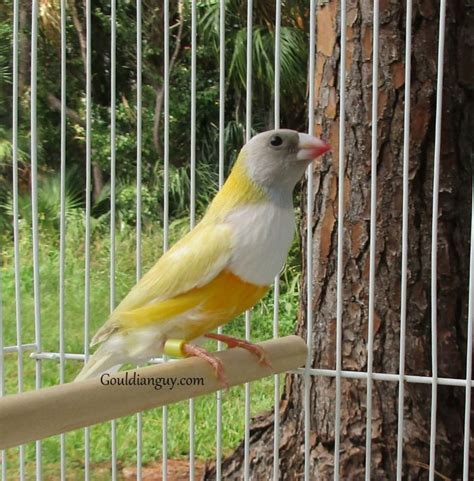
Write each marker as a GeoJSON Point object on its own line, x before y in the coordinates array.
{"type": "Point", "coordinates": [120, 122]}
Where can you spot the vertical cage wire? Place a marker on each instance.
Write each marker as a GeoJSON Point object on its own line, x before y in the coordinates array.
{"type": "Point", "coordinates": [434, 238]}
{"type": "Point", "coordinates": [340, 238]}
{"type": "Point", "coordinates": [3, 452]}
{"type": "Point", "coordinates": [113, 160]}
{"type": "Point", "coordinates": [166, 149]}
{"type": "Point", "coordinates": [467, 407]}
{"type": "Point", "coordinates": [62, 224]}
{"type": "Point", "coordinates": [309, 249]}
{"type": "Point", "coordinates": [192, 213]}
{"type": "Point", "coordinates": [404, 270]}
{"type": "Point", "coordinates": [248, 135]}
{"type": "Point", "coordinates": [221, 91]}
{"type": "Point", "coordinates": [221, 183]}
{"type": "Point", "coordinates": [138, 229]}
{"type": "Point", "coordinates": [373, 238]}
{"type": "Point", "coordinates": [276, 288]}
{"type": "Point", "coordinates": [34, 204]}
{"type": "Point", "coordinates": [192, 207]}
{"type": "Point", "coordinates": [166, 121]}
{"type": "Point", "coordinates": [87, 234]}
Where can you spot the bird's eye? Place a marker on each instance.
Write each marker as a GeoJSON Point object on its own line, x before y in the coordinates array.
{"type": "Point", "coordinates": [276, 141]}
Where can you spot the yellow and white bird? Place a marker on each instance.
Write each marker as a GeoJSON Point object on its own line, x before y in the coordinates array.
{"type": "Point", "coordinates": [219, 269]}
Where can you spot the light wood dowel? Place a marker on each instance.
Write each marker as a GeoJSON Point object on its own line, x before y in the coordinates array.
{"type": "Point", "coordinates": [38, 414]}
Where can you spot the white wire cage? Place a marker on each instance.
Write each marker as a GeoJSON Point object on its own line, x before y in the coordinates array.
{"type": "Point", "coordinates": [33, 343]}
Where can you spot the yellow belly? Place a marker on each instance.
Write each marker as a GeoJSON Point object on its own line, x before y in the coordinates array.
{"type": "Point", "coordinates": [199, 310]}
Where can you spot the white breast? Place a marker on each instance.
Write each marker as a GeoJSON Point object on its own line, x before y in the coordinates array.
{"type": "Point", "coordinates": [262, 238]}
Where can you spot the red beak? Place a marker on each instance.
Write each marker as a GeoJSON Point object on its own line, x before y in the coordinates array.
{"type": "Point", "coordinates": [310, 147]}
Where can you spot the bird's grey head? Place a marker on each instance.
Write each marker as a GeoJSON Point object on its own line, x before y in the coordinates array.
{"type": "Point", "coordinates": [277, 159]}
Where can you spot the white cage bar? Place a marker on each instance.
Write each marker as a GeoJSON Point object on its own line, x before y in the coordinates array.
{"type": "Point", "coordinates": [222, 72]}
{"type": "Point", "coordinates": [39, 356]}
{"type": "Point", "coordinates": [434, 241]}
{"type": "Point", "coordinates": [248, 135]}
{"type": "Point", "coordinates": [276, 286]}
{"type": "Point", "coordinates": [87, 245]}
{"type": "Point", "coordinates": [62, 232]}
{"type": "Point", "coordinates": [138, 248]}
{"type": "Point", "coordinates": [373, 236]}
{"type": "Point", "coordinates": [192, 207]}
{"type": "Point", "coordinates": [404, 272]}
{"type": "Point", "coordinates": [309, 251]}
{"type": "Point", "coordinates": [340, 235]}
{"type": "Point", "coordinates": [166, 87]}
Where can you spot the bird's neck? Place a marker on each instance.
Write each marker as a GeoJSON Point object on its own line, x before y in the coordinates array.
{"type": "Point", "coordinates": [239, 189]}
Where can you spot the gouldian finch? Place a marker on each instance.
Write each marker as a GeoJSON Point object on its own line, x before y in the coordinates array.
{"type": "Point", "coordinates": [219, 269]}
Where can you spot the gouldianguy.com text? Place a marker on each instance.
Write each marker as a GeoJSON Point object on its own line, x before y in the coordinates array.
{"type": "Point", "coordinates": [135, 379]}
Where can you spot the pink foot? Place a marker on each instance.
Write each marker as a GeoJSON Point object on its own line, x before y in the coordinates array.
{"type": "Point", "coordinates": [215, 362]}
{"type": "Point", "coordinates": [235, 342]}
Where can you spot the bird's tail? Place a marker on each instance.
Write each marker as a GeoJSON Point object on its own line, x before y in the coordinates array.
{"type": "Point", "coordinates": [103, 360]}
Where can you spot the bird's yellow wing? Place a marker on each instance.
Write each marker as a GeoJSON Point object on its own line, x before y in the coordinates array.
{"type": "Point", "coordinates": [192, 262]}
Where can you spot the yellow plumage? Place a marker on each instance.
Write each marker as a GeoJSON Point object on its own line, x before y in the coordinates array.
{"type": "Point", "coordinates": [223, 266]}
{"type": "Point", "coordinates": [220, 300]}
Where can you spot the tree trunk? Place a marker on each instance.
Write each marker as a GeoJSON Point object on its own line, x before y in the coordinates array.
{"type": "Point", "coordinates": [80, 34]}
{"type": "Point", "coordinates": [24, 47]}
{"type": "Point", "coordinates": [453, 250]}
{"type": "Point", "coordinates": [160, 92]}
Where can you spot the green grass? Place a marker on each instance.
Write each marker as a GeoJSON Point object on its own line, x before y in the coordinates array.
{"type": "Point", "coordinates": [100, 440]}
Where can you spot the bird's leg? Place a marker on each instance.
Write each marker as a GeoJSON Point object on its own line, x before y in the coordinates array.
{"type": "Point", "coordinates": [235, 342]}
{"type": "Point", "coordinates": [215, 362]}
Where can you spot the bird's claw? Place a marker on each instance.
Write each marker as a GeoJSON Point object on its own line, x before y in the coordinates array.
{"type": "Point", "coordinates": [215, 362]}
{"type": "Point", "coordinates": [235, 342]}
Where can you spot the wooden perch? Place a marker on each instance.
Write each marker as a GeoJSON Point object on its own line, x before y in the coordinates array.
{"type": "Point", "coordinates": [38, 414]}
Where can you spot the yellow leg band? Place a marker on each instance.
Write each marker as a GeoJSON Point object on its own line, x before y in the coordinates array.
{"type": "Point", "coordinates": [174, 347]}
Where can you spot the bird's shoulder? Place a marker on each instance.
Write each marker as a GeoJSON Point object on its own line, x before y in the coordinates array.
{"type": "Point", "coordinates": [192, 261]}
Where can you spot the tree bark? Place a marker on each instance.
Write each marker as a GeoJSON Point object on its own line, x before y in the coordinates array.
{"type": "Point", "coordinates": [24, 47]}
{"type": "Point", "coordinates": [55, 104]}
{"type": "Point", "coordinates": [453, 250]}
{"type": "Point", "coordinates": [80, 34]}
{"type": "Point", "coordinates": [160, 88]}
{"type": "Point", "coordinates": [97, 175]}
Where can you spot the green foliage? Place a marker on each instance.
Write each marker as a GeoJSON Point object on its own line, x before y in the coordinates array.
{"type": "Point", "coordinates": [293, 63]}
{"type": "Point", "coordinates": [49, 203]}
{"type": "Point", "coordinates": [293, 56]}
{"type": "Point", "coordinates": [127, 204]}
{"type": "Point", "coordinates": [5, 55]}
{"type": "Point", "coordinates": [6, 151]}
{"type": "Point", "coordinates": [180, 188]}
